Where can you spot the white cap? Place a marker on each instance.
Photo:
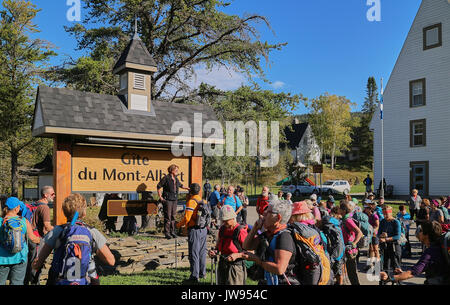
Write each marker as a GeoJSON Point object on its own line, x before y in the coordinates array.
{"type": "Point", "coordinates": [313, 197]}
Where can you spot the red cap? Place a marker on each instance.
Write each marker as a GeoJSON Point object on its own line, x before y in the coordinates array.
{"type": "Point", "coordinates": [300, 208]}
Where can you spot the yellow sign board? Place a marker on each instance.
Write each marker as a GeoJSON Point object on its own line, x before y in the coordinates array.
{"type": "Point", "coordinates": [119, 170]}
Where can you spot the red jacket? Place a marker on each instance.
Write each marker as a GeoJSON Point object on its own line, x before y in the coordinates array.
{"type": "Point", "coordinates": [261, 204]}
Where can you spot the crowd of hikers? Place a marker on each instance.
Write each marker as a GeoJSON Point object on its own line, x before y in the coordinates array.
{"type": "Point", "coordinates": [310, 242]}
{"type": "Point", "coordinates": [27, 238]}
{"type": "Point", "coordinates": [315, 241]}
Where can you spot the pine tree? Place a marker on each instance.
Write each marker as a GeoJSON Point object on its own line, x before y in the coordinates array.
{"type": "Point", "coordinates": [22, 60]}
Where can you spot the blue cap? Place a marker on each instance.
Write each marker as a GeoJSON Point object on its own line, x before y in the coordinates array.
{"type": "Point", "coordinates": [13, 202]}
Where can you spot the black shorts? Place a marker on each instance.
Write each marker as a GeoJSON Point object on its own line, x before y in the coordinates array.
{"type": "Point", "coordinates": [375, 241]}
{"type": "Point", "coordinates": [336, 267]}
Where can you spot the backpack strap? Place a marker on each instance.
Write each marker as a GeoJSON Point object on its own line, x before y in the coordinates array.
{"type": "Point", "coordinates": [235, 237]}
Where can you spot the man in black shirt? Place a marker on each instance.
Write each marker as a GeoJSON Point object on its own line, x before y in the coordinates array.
{"type": "Point", "coordinates": [168, 194]}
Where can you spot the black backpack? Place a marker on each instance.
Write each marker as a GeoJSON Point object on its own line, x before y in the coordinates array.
{"type": "Point", "coordinates": [203, 214]}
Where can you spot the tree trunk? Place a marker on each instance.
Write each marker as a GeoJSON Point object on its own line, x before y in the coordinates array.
{"type": "Point", "coordinates": [332, 156]}
{"type": "Point", "coordinates": [14, 173]}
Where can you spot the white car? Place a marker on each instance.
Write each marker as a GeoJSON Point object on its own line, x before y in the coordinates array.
{"type": "Point", "coordinates": [332, 187]}
{"type": "Point", "coordinates": [302, 188]}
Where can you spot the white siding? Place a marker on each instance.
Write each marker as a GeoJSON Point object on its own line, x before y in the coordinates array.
{"type": "Point", "coordinates": [415, 63]}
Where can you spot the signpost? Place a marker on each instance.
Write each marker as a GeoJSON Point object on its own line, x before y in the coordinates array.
{"type": "Point", "coordinates": [131, 207]}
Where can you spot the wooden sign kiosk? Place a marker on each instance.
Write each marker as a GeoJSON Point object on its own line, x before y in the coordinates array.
{"type": "Point", "coordinates": [116, 143]}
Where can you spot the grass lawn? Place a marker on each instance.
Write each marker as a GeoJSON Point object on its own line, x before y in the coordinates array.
{"type": "Point", "coordinates": [159, 277]}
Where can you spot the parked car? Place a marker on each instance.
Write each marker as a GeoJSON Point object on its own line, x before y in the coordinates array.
{"type": "Point", "coordinates": [301, 188]}
{"type": "Point", "coordinates": [333, 187]}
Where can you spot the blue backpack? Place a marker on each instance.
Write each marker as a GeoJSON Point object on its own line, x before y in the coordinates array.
{"type": "Point", "coordinates": [446, 214]}
{"type": "Point", "coordinates": [335, 240]}
{"type": "Point", "coordinates": [71, 259]}
{"type": "Point", "coordinates": [13, 238]}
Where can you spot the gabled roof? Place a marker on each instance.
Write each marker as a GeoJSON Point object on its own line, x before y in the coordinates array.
{"type": "Point", "coordinates": [294, 137]}
{"type": "Point", "coordinates": [65, 111]}
{"type": "Point", "coordinates": [135, 53]}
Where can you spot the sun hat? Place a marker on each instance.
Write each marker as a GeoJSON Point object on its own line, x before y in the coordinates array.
{"type": "Point", "coordinates": [227, 212]}
{"type": "Point", "coordinates": [13, 202]}
{"type": "Point", "coordinates": [300, 208]}
{"type": "Point", "coordinates": [313, 197]}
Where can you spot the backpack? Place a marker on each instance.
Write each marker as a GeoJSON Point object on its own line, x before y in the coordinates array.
{"type": "Point", "coordinates": [323, 212]}
{"type": "Point", "coordinates": [402, 241]}
{"type": "Point", "coordinates": [71, 259]}
{"type": "Point", "coordinates": [234, 238]}
{"type": "Point", "coordinates": [335, 239]}
{"type": "Point", "coordinates": [446, 214]}
{"type": "Point", "coordinates": [203, 214]}
{"type": "Point", "coordinates": [311, 257]}
{"type": "Point", "coordinates": [129, 225]}
{"type": "Point", "coordinates": [12, 237]}
{"type": "Point", "coordinates": [362, 221]}
{"type": "Point", "coordinates": [28, 213]}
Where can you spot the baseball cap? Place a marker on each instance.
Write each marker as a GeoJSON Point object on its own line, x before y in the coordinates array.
{"type": "Point", "coordinates": [13, 202]}
{"type": "Point", "coordinates": [227, 213]}
{"type": "Point", "coordinates": [313, 197]}
{"type": "Point", "coordinates": [300, 208]}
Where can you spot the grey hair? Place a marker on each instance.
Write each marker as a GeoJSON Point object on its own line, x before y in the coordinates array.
{"type": "Point", "coordinates": [289, 194]}
{"type": "Point", "coordinates": [46, 190]}
{"type": "Point", "coordinates": [283, 208]}
{"type": "Point", "coordinates": [217, 187]}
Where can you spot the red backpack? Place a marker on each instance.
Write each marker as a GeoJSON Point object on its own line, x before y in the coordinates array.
{"type": "Point", "coordinates": [234, 238]}
{"type": "Point", "coordinates": [29, 215]}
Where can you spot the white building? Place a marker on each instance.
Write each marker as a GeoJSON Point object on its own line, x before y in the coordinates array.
{"type": "Point", "coordinates": [302, 144]}
{"type": "Point", "coordinates": [417, 108]}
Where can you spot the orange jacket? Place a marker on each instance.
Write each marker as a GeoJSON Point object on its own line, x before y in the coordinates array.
{"type": "Point", "coordinates": [190, 214]}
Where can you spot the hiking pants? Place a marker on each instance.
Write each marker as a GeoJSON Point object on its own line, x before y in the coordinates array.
{"type": "Point", "coordinates": [32, 276]}
{"type": "Point", "coordinates": [197, 252]}
{"type": "Point", "coordinates": [15, 272]}
{"type": "Point", "coordinates": [170, 211]}
{"type": "Point", "coordinates": [352, 273]}
{"type": "Point", "coordinates": [231, 273]}
{"type": "Point", "coordinates": [243, 214]}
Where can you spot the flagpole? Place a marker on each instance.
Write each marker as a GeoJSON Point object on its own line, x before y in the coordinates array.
{"type": "Point", "coordinates": [382, 140]}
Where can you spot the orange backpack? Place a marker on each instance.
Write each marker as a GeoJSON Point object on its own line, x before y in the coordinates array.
{"type": "Point", "coordinates": [311, 252]}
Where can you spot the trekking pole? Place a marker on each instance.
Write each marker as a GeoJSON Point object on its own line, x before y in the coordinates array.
{"type": "Point", "coordinates": [285, 277]}
{"type": "Point", "coordinates": [176, 255]}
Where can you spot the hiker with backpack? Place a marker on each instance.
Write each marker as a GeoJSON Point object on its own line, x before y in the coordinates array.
{"type": "Point", "coordinates": [374, 221]}
{"type": "Point", "coordinates": [231, 267]}
{"type": "Point", "coordinates": [38, 214]}
{"type": "Point", "coordinates": [214, 199]}
{"type": "Point", "coordinates": [389, 234]}
{"type": "Point", "coordinates": [231, 199]}
{"type": "Point", "coordinates": [197, 218]}
{"type": "Point", "coordinates": [245, 202]}
{"type": "Point", "coordinates": [405, 221]}
{"type": "Point", "coordinates": [352, 235]}
{"type": "Point", "coordinates": [436, 214]}
{"type": "Point", "coordinates": [434, 262]}
{"type": "Point", "coordinates": [445, 212]}
{"type": "Point", "coordinates": [278, 257]}
{"type": "Point", "coordinates": [302, 216]}
{"type": "Point", "coordinates": [14, 232]}
{"type": "Point", "coordinates": [74, 245]}
{"type": "Point", "coordinates": [263, 201]}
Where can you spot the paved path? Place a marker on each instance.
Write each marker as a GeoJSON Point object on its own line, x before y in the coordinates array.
{"type": "Point", "coordinates": [363, 278]}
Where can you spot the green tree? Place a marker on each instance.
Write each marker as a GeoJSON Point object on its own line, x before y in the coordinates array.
{"type": "Point", "coordinates": [364, 138]}
{"type": "Point", "coordinates": [22, 60]}
{"type": "Point", "coordinates": [247, 104]}
{"type": "Point", "coordinates": [181, 35]}
{"type": "Point", "coordinates": [332, 123]}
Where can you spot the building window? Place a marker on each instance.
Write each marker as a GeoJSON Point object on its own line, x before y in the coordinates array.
{"type": "Point", "coordinates": [432, 36]}
{"type": "Point", "coordinates": [418, 133]}
{"type": "Point", "coordinates": [417, 93]}
{"type": "Point", "coordinates": [123, 81]}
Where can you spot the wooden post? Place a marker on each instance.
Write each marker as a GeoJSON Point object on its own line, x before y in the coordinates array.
{"type": "Point", "coordinates": [196, 172]}
{"type": "Point", "coordinates": [62, 176]}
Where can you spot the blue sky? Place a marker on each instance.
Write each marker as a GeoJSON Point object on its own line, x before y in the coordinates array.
{"type": "Point", "coordinates": [332, 47]}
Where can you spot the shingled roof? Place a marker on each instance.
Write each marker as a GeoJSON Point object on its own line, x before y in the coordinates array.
{"type": "Point", "coordinates": [65, 111]}
{"type": "Point", "coordinates": [294, 137]}
{"type": "Point", "coordinates": [135, 53]}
